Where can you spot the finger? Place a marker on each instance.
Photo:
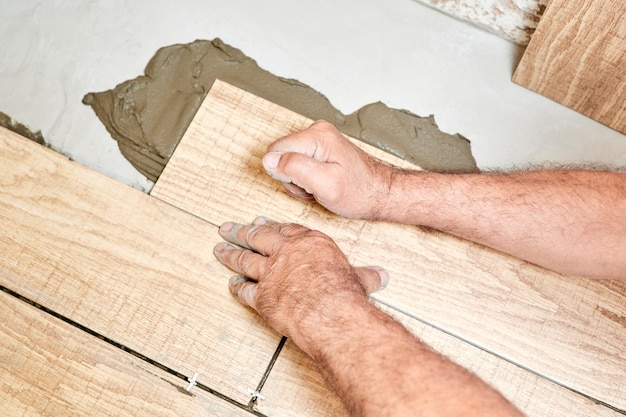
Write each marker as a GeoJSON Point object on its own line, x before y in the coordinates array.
{"type": "Point", "coordinates": [373, 278]}
{"type": "Point", "coordinates": [305, 142]}
{"type": "Point", "coordinates": [290, 230]}
{"type": "Point", "coordinates": [267, 223]}
{"type": "Point", "coordinates": [242, 261]}
{"type": "Point", "coordinates": [270, 163]}
{"type": "Point", "coordinates": [261, 238]}
{"type": "Point", "coordinates": [307, 173]}
{"type": "Point", "coordinates": [244, 289]}
{"type": "Point", "coordinates": [231, 232]}
{"type": "Point", "coordinates": [240, 234]}
{"type": "Point", "coordinates": [298, 193]}
{"type": "Point", "coordinates": [282, 229]}
{"type": "Point", "coordinates": [260, 220]}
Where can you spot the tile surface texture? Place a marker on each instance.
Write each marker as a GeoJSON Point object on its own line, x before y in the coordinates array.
{"type": "Point", "coordinates": [50, 368]}
{"type": "Point", "coordinates": [578, 58]}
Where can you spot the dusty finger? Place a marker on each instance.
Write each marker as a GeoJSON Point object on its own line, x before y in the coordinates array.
{"type": "Point", "coordinates": [373, 278]}
{"type": "Point", "coordinates": [300, 142]}
{"type": "Point", "coordinates": [309, 142]}
{"type": "Point", "coordinates": [271, 161]}
{"type": "Point", "coordinates": [306, 172]}
{"type": "Point", "coordinates": [244, 289]}
{"type": "Point", "coordinates": [282, 229]}
{"type": "Point", "coordinates": [231, 232]}
{"type": "Point", "coordinates": [267, 223]}
{"type": "Point", "coordinates": [242, 261]}
{"type": "Point", "coordinates": [259, 236]}
{"type": "Point", "coordinates": [262, 220]}
{"type": "Point", "coordinates": [298, 193]}
{"type": "Point", "coordinates": [264, 236]}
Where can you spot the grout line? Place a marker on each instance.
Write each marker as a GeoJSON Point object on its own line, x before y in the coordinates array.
{"type": "Point", "coordinates": [266, 374]}
{"type": "Point", "coordinates": [133, 352]}
{"type": "Point", "coordinates": [491, 352]}
{"type": "Point", "coordinates": [156, 197]}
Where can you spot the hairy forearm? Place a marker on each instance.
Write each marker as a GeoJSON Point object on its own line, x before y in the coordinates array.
{"type": "Point", "coordinates": [571, 221]}
{"type": "Point", "coordinates": [379, 369]}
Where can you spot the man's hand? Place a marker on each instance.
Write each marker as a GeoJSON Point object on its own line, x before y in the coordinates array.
{"type": "Point", "coordinates": [292, 274]}
{"type": "Point", "coordinates": [303, 285]}
{"type": "Point", "coordinates": [571, 221]}
{"type": "Point", "coordinates": [320, 164]}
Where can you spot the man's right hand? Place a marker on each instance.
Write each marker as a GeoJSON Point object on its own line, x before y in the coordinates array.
{"type": "Point", "coordinates": [320, 164]}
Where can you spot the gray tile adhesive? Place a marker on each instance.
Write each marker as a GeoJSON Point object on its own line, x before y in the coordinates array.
{"type": "Point", "coordinates": [148, 115]}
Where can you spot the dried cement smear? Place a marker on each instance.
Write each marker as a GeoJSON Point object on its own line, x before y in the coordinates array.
{"type": "Point", "coordinates": [149, 115]}
{"type": "Point", "coordinates": [20, 129]}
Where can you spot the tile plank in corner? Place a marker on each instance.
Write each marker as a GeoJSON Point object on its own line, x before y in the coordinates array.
{"type": "Point", "coordinates": [125, 265]}
{"type": "Point", "coordinates": [50, 368]}
{"type": "Point", "coordinates": [296, 388]}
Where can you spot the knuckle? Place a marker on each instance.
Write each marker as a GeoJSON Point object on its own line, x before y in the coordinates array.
{"type": "Point", "coordinates": [318, 241]}
{"type": "Point", "coordinates": [316, 234]}
{"type": "Point", "coordinates": [290, 229]}
{"type": "Point", "coordinates": [321, 124]}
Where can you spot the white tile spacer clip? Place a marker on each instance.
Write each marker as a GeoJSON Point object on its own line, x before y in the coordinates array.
{"type": "Point", "coordinates": [192, 382]}
{"type": "Point", "coordinates": [255, 394]}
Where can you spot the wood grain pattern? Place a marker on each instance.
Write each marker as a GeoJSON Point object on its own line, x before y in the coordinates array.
{"type": "Point", "coordinates": [295, 387]}
{"type": "Point", "coordinates": [49, 368]}
{"type": "Point", "coordinates": [577, 57]}
{"type": "Point", "coordinates": [125, 265]}
{"type": "Point", "coordinates": [568, 329]}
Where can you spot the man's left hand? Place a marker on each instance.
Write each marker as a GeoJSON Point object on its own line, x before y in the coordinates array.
{"type": "Point", "coordinates": [291, 274]}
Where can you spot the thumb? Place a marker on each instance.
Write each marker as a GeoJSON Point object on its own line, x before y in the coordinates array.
{"type": "Point", "coordinates": [305, 172]}
{"type": "Point", "coordinates": [373, 278]}
{"type": "Point", "coordinates": [271, 160]}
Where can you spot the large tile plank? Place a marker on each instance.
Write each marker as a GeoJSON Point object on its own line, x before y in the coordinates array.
{"type": "Point", "coordinates": [125, 265]}
{"type": "Point", "coordinates": [567, 329]}
{"type": "Point", "coordinates": [295, 387]}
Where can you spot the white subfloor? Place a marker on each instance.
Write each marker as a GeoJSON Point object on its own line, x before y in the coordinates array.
{"type": "Point", "coordinates": [354, 51]}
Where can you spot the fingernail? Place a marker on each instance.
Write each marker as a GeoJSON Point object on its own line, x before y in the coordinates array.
{"type": "Point", "coordinates": [384, 276]}
{"type": "Point", "coordinates": [236, 280]}
{"type": "Point", "coordinates": [298, 192]}
{"type": "Point", "coordinates": [221, 247]}
{"type": "Point", "coordinates": [233, 282]}
{"type": "Point", "coordinates": [270, 160]}
{"type": "Point", "coordinates": [226, 227]}
{"type": "Point", "coordinates": [260, 220]}
{"type": "Point", "coordinates": [224, 245]}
